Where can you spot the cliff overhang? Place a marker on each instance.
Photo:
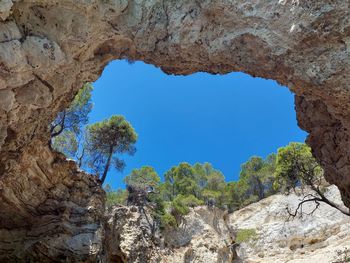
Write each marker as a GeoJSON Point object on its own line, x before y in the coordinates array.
{"type": "Point", "coordinates": [48, 49]}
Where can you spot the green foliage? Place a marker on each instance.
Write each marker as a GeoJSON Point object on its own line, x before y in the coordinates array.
{"type": "Point", "coordinates": [118, 197]}
{"type": "Point", "coordinates": [105, 140]}
{"type": "Point", "coordinates": [200, 180]}
{"type": "Point", "coordinates": [234, 196]}
{"type": "Point", "coordinates": [159, 213]}
{"type": "Point", "coordinates": [255, 182]}
{"type": "Point", "coordinates": [249, 200]}
{"type": "Point", "coordinates": [66, 129]}
{"type": "Point", "coordinates": [188, 201]}
{"type": "Point", "coordinates": [73, 118]}
{"type": "Point", "coordinates": [184, 179]}
{"type": "Point", "coordinates": [180, 206]}
{"type": "Point", "coordinates": [66, 143]}
{"type": "Point", "coordinates": [187, 186]}
{"type": "Point", "coordinates": [168, 220]}
{"type": "Point", "coordinates": [113, 134]}
{"type": "Point", "coordinates": [245, 235]}
{"type": "Point", "coordinates": [296, 166]}
{"type": "Point", "coordinates": [210, 194]}
{"type": "Point", "coordinates": [144, 178]}
{"type": "Point", "coordinates": [97, 148]}
{"type": "Point", "coordinates": [100, 146]}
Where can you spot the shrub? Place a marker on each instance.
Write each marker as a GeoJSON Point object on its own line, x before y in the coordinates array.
{"type": "Point", "coordinates": [244, 235]}
{"type": "Point", "coordinates": [179, 207]}
{"type": "Point", "coordinates": [191, 201]}
{"type": "Point", "coordinates": [118, 197]}
{"type": "Point", "coordinates": [168, 220]}
{"type": "Point", "coordinates": [181, 204]}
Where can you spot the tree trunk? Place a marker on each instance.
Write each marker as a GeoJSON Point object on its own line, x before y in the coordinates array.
{"type": "Point", "coordinates": [56, 133]}
{"type": "Point", "coordinates": [80, 158]}
{"type": "Point", "coordinates": [103, 178]}
{"type": "Point", "coordinates": [260, 187]}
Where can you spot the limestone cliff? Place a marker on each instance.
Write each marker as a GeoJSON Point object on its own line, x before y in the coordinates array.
{"type": "Point", "coordinates": [54, 212]}
{"type": "Point", "coordinates": [49, 48]}
{"type": "Point", "coordinates": [204, 236]}
{"type": "Point", "coordinates": [209, 235]}
{"type": "Point", "coordinates": [311, 238]}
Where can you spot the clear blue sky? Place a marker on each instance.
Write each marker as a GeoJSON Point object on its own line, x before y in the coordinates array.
{"type": "Point", "coordinates": [221, 119]}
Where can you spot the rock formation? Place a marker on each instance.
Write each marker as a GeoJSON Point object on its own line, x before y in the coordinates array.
{"type": "Point", "coordinates": [204, 236]}
{"type": "Point", "coordinates": [211, 235]}
{"type": "Point", "coordinates": [49, 48]}
{"type": "Point", "coordinates": [129, 236]}
{"type": "Point", "coordinates": [312, 238]}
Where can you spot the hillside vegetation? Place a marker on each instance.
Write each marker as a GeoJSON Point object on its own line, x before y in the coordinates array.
{"type": "Point", "coordinates": [98, 147]}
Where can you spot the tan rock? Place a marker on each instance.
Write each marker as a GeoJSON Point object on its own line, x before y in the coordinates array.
{"type": "Point", "coordinates": [5, 9]}
{"type": "Point", "coordinates": [203, 237]}
{"type": "Point", "coordinates": [7, 99]}
{"type": "Point", "coordinates": [42, 54]}
{"type": "Point", "coordinates": [37, 94]}
{"type": "Point", "coordinates": [311, 238]}
{"type": "Point", "coordinates": [63, 44]}
{"type": "Point", "coordinates": [9, 31]}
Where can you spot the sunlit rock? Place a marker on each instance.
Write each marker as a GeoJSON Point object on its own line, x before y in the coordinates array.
{"type": "Point", "coordinates": [49, 49]}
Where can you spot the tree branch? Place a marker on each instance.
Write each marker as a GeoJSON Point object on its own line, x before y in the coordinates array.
{"type": "Point", "coordinates": [61, 124]}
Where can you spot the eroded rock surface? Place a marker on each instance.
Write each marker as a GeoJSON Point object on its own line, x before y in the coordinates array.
{"type": "Point", "coordinates": [53, 211]}
{"type": "Point", "coordinates": [210, 235]}
{"type": "Point", "coordinates": [49, 48]}
{"type": "Point", "coordinates": [203, 236]}
{"type": "Point", "coordinates": [311, 238]}
{"type": "Point", "coordinates": [129, 236]}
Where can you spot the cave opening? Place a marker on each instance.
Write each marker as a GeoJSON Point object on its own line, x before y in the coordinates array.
{"type": "Point", "coordinates": [220, 119]}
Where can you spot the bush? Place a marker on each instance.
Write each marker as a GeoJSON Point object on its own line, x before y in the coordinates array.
{"type": "Point", "coordinates": [191, 201]}
{"type": "Point", "coordinates": [179, 207]}
{"type": "Point", "coordinates": [250, 200]}
{"type": "Point", "coordinates": [181, 204]}
{"type": "Point", "coordinates": [244, 235]}
{"type": "Point", "coordinates": [168, 220]}
{"type": "Point", "coordinates": [158, 207]}
{"type": "Point", "coordinates": [118, 197]}
{"type": "Point", "coordinates": [207, 194]}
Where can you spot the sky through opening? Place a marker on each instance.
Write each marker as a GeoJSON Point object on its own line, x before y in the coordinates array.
{"type": "Point", "coordinates": [221, 119]}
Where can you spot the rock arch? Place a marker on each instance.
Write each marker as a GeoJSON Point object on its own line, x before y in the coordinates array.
{"type": "Point", "coordinates": [48, 49]}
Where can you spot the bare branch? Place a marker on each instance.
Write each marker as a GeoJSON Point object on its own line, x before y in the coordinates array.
{"type": "Point", "coordinates": [299, 209]}
{"type": "Point", "coordinates": [60, 124]}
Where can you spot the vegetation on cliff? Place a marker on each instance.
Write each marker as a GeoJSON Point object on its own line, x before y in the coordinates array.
{"type": "Point", "coordinates": [97, 148]}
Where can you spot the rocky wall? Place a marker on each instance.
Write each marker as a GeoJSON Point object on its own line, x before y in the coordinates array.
{"type": "Point", "coordinates": [49, 48]}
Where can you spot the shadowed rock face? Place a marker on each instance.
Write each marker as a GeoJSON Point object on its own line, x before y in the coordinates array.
{"type": "Point", "coordinates": [49, 48]}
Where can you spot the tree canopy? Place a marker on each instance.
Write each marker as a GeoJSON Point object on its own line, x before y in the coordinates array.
{"type": "Point", "coordinates": [96, 147]}
{"type": "Point", "coordinates": [296, 166]}
{"type": "Point", "coordinates": [187, 185]}
{"type": "Point", "coordinates": [76, 115]}
{"type": "Point", "coordinates": [144, 178]}
{"type": "Point", "coordinates": [105, 140]}
{"type": "Point", "coordinates": [102, 144]}
{"type": "Point", "coordinates": [67, 129]}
